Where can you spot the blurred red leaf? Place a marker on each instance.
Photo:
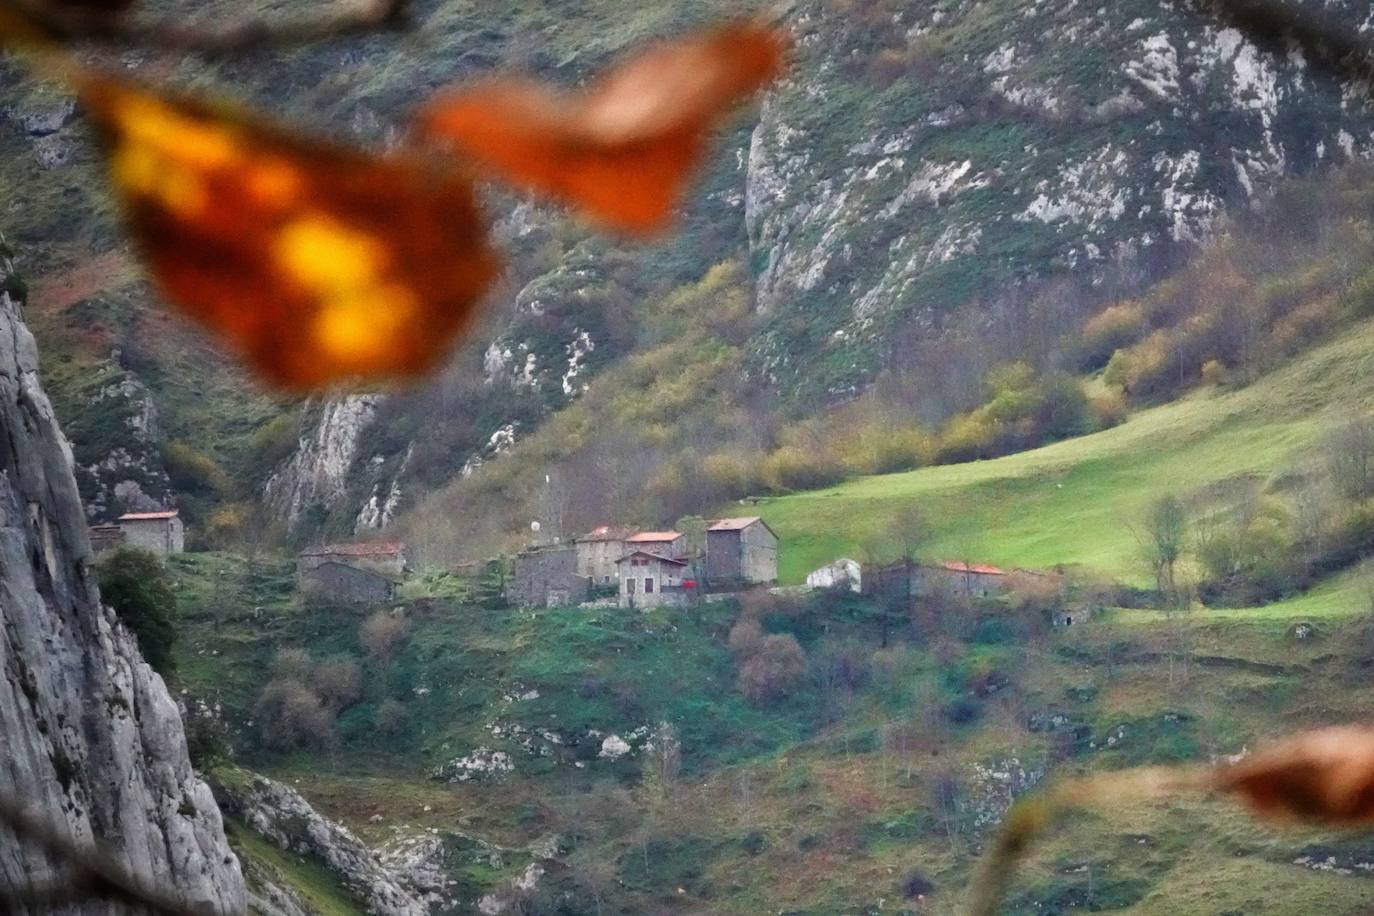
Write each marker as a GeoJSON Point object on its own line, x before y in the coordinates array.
{"type": "Point", "coordinates": [624, 150]}
{"type": "Point", "coordinates": [1325, 777]}
{"type": "Point", "coordinates": [318, 263]}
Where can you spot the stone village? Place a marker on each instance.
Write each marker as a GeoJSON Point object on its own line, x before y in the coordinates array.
{"type": "Point", "coordinates": [608, 565]}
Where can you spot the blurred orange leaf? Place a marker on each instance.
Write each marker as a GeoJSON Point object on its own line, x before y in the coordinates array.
{"type": "Point", "coordinates": [1325, 777]}
{"type": "Point", "coordinates": [319, 263]}
{"type": "Point", "coordinates": [624, 150]}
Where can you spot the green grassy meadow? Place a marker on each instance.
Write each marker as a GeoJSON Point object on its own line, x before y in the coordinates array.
{"type": "Point", "coordinates": [1073, 503]}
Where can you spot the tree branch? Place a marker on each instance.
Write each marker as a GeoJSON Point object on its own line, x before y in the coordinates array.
{"type": "Point", "coordinates": [93, 871]}
{"type": "Point", "coordinates": [75, 24]}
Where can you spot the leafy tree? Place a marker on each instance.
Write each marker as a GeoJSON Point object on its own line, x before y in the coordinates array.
{"type": "Point", "coordinates": [135, 583]}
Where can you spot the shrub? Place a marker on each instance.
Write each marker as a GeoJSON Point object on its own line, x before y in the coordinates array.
{"type": "Point", "coordinates": [292, 664]}
{"type": "Point", "coordinates": [1109, 330]}
{"type": "Point", "coordinates": [193, 471]}
{"type": "Point", "coordinates": [774, 671]}
{"type": "Point", "coordinates": [338, 682]}
{"type": "Point", "coordinates": [1213, 372]}
{"type": "Point", "coordinates": [794, 468]}
{"type": "Point", "coordinates": [391, 717]}
{"type": "Point", "coordinates": [136, 585]}
{"type": "Point", "coordinates": [382, 634]}
{"type": "Point", "coordinates": [963, 710]}
{"type": "Point", "coordinates": [968, 438]}
{"type": "Point", "coordinates": [746, 637]}
{"type": "Point", "coordinates": [292, 716]}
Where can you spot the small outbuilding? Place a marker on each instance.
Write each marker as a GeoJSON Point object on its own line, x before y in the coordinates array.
{"type": "Point", "coordinates": [387, 558]}
{"type": "Point", "coordinates": [741, 551]}
{"type": "Point", "coordinates": [343, 583]}
{"type": "Point", "coordinates": [156, 532]}
{"type": "Point", "coordinates": [547, 577]}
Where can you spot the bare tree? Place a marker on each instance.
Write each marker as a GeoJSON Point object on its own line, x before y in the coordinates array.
{"type": "Point", "coordinates": [1349, 451]}
{"type": "Point", "coordinates": [1162, 539]}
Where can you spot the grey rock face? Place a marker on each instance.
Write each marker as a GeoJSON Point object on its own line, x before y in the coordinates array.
{"type": "Point", "coordinates": [89, 733]}
{"type": "Point", "coordinates": [316, 476]}
{"type": "Point", "coordinates": [281, 815]}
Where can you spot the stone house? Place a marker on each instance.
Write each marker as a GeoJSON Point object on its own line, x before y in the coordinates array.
{"type": "Point", "coordinates": [156, 532]}
{"type": "Point", "coordinates": [388, 559]}
{"type": "Point", "coordinates": [598, 550]}
{"type": "Point", "coordinates": [659, 543]}
{"type": "Point", "coordinates": [741, 551]}
{"type": "Point", "coordinates": [547, 577]}
{"type": "Point", "coordinates": [343, 583]}
{"type": "Point", "coordinates": [652, 580]}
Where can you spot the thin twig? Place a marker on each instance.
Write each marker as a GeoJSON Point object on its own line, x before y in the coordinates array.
{"type": "Point", "coordinates": [66, 24]}
{"type": "Point", "coordinates": [93, 871]}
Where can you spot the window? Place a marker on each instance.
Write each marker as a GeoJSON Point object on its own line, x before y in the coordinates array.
{"type": "Point", "coordinates": [630, 586]}
{"type": "Point", "coordinates": [648, 585]}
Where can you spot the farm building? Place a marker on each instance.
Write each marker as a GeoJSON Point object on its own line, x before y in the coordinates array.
{"type": "Point", "coordinates": [157, 532]}
{"type": "Point", "coordinates": [922, 580]}
{"type": "Point", "coordinates": [659, 543]}
{"type": "Point", "coordinates": [548, 577]}
{"type": "Point", "coordinates": [598, 550]}
{"type": "Point", "coordinates": [389, 559]}
{"type": "Point", "coordinates": [651, 580]}
{"type": "Point", "coordinates": [343, 583]}
{"type": "Point", "coordinates": [105, 537]}
{"type": "Point", "coordinates": [741, 551]}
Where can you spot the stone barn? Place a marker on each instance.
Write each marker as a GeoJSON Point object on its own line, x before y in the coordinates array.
{"type": "Point", "coordinates": [741, 551]}
{"type": "Point", "coordinates": [389, 559]}
{"type": "Point", "coordinates": [157, 532]}
{"type": "Point", "coordinates": [650, 580]}
{"type": "Point", "coordinates": [547, 577]}
{"type": "Point", "coordinates": [342, 583]}
{"type": "Point", "coordinates": [598, 550]}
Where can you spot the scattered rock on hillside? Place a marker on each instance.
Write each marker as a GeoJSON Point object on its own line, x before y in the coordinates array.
{"type": "Point", "coordinates": [287, 820]}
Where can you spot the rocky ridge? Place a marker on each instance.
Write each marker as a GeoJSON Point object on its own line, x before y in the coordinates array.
{"type": "Point", "coordinates": [91, 735]}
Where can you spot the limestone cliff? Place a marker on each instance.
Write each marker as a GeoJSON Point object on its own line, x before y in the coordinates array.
{"type": "Point", "coordinates": [89, 731]}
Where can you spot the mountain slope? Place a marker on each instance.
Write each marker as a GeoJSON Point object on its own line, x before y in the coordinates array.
{"type": "Point", "coordinates": [934, 190]}
{"type": "Point", "coordinates": [1074, 502]}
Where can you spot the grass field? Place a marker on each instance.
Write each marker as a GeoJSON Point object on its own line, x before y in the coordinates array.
{"type": "Point", "coordinates": [1074, 502]}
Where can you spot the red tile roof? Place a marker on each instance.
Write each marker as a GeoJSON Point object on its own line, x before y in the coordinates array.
{"type": "Point", "coordinates": [607, 533]}
{"type": "Point", "coordinates": [654, 537]}
{"type": "Point", "coordinates": [734, 524]}
{"type": "Point", "coordinates": [355, 550]}
{"type": "Point", "coordinates": [145, 516]}
{"type": "Point", "coordinates": [977, 568]}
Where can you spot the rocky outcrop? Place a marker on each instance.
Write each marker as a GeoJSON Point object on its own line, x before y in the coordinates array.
{"type": "Point", "coordinates": [316, 477]}
{"type": "Point", "coordinates": [932, 157]}
{"type": "Point", "coordinates": [90, 736]}
{"type": "Point", "coordinates": [280, 814]}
